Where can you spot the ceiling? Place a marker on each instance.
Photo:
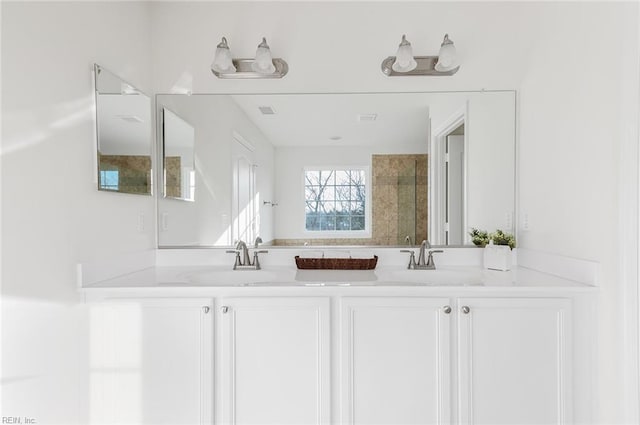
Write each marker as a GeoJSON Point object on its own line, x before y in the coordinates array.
{"type": "Point", "coordinates": [318, 119]}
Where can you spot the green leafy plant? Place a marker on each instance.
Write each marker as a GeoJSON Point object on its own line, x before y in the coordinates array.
{"type": "Point", "coordinates": [479, 237]}
{"type": "Point", "coordinates": [501, 238]}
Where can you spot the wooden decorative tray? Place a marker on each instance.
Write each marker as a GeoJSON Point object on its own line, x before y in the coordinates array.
{"type": "Point", "coordinates": [336, 263]}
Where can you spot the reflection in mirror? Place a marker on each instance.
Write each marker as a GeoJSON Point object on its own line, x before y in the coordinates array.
{"type": "Point", "coordinates": [124, 135]}
{"type": "Point", "coordinates": [178, 161]}
{"type": "Point", "coordinates": [345, 169]}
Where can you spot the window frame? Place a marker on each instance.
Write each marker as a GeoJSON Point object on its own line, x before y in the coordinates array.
{"type": "Point", "coordinates": [339, 234]}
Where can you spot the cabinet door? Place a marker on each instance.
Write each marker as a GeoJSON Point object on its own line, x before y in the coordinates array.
{"type": "Point", "coordinates": [151, 362]}
{"type": "Point", "coordinates": [514, 361]}
{"type": "Point", "coordinates": [395, 361]}
{"type": "Point", "coordinates": [275, 361]}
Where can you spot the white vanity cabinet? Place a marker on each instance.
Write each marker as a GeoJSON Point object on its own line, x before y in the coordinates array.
{"type": "Point", "coordinates": [395, 354]}
{"type": "Point", "coordinates": [348, 356]}
{"type": "Point", "coordinates": [150, 361]}
{"type": "Point", "coordinates": [504, 360]}
{"type": "Point", "coordinates": [274, 360]}
{"type": "Point", "coordinates": [514, 357]}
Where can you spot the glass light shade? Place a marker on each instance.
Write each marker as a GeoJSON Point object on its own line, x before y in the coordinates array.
{"type": "Point", "coordinates": [263, 63]}
{"type": "Point", "coordinates": [404, 57]}
{"type": "Point", "coordinates": [447, 58]}
{"type": "Point", "coordinates": [222, 61]}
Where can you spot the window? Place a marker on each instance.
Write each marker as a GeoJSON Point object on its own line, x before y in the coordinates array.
{"type": "Point", "coordinates": [335, 200]}
{"type": "Point", "coordinates": [109, 179]}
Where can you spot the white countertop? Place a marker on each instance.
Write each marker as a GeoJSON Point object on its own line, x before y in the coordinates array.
{"type": "Point", "coordinates": [216, 279]}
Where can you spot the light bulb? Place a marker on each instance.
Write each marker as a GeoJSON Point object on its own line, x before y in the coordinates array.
{"type": "Point", "coordinates": [404, 57]}
{"type": "Point", "coordinates": [263, 63]}
{"type": "Point", "coordinates": [222, 61]}
{"type": "Point", "coordinates": [447, 58]}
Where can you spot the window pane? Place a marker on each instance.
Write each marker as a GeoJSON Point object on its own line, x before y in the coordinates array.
{"type": "Point", "coordinates": [335, 200]}
{"type": "Point", "coordinates": [311, 193]}
{"type": "Point", "coordinates": [312, 178]}
{"type": "Point", "coordinates": [343, 193]}
{"type": "Point", "coordinates": [357, 222]}
{"type": "Point", "coordinates": [342, 177]}
{"type": "Point", "coordinates": [328, 193]}
{"type": "Point", "coordinates": [312, 222]}
{"type": "Point", "coordinates": [327, 177]}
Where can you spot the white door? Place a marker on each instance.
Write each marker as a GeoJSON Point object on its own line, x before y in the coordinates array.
{"type": "Point", "coordinates": [275, 361]}
{"type": "Point", "coordinates": [455, 190]}
{"type": "Point", "coordinates": [151, 362]}
{"type": "Point", "coordinates": [395, 361]}
{"type": "Point", "coordinates": [513, 361]}
{"type": "Point", "coordinates": [244, 208]}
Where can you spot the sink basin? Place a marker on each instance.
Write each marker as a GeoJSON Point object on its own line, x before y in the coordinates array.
{"type": "Point", "coordinates": [336, 276]}
{"type": "Point", "coordinates": [237, 278]}
{"type": "Point", "coordinates": [433, 277]}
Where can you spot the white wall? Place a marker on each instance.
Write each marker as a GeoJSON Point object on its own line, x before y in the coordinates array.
{"type": "Point", "coordinates": [578, 153]}
{"type": "Point", "coordinates": [52, 215]}
{"type": "Point", "coordinates": [574, 64]}
{"type": "Point", "coordinates": [336, 46]}
{"type": "Point", "coordinates": [206, 221]}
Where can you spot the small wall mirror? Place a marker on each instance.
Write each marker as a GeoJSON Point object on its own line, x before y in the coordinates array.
{"type": "Point", "coordinates": [124, 135]}
{"type": "Point", "coordinates": [178, 160]}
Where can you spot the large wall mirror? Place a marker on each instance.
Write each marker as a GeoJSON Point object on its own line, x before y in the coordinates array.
{"type": "Point", "coordinates": [124, 135]}
{"type": "Point", "coordinates": [342, 169]}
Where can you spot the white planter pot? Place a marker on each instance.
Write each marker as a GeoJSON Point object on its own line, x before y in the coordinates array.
{"type": "Point", "coordinates": [497, 257]}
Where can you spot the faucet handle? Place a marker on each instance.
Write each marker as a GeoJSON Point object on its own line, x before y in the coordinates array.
{"type": "Point", "coordinates": [412, 258]}
{"type": "Point", "coordinates": [256, 261]}
{"type": "Point", "coordinates": [238, 261]}
{"type": "Point", "coordinates": [430, 262]}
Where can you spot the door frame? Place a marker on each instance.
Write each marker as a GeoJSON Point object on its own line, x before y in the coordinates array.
{"type": "Point", "coordinates": [437, 207]}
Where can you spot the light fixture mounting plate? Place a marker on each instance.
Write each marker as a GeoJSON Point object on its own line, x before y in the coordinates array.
{"type": "Point", "coordinates": [245, 71]}
{"type": "Point", "coordinates": [426, 66]}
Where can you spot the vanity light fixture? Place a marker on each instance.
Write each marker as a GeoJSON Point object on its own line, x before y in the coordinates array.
{"type": "Point", "coordinates": [404, 63]}
{"type": "Point", "coordinates": [262, 66]}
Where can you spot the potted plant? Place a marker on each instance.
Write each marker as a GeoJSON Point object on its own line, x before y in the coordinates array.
{"type": "Point", "coordinates": [501, 238]}
{"type": "Point", "coordinates": [479, 237]}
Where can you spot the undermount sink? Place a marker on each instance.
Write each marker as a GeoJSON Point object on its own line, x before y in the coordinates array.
{"type": "Point", "coordinates": [237, 278]}
{"type": "Point", "coordinates": [336, 276]}
{"type": "Point", "coordinates": [433, 277]}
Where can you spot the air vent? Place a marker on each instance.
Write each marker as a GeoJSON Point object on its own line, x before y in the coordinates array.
{"type": "Point", "coordinates": [367, 117]}
{"type": "Point", "coordinates": [267, 110]}
{"type": "Point", "coordinates": [130, 118]}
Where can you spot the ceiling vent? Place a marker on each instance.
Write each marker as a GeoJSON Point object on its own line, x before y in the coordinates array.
{"type": "Point", "coordinates": [267, 110]}
{"type": "Point", "coordinates": [367, 117]}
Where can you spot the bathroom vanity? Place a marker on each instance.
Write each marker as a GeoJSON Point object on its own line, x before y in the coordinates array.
{"type": "Point", "coordinates": [189, 342]}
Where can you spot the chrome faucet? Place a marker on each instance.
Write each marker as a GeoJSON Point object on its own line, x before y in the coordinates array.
{"type": "Point", "coordinates": [425, 258]}
{"type": "Point", "coordinates": [243, 259]}
{"type": "Point", "coordinates": [423, 246]}
{"type": "Point", "coordinates": [242, 249]}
